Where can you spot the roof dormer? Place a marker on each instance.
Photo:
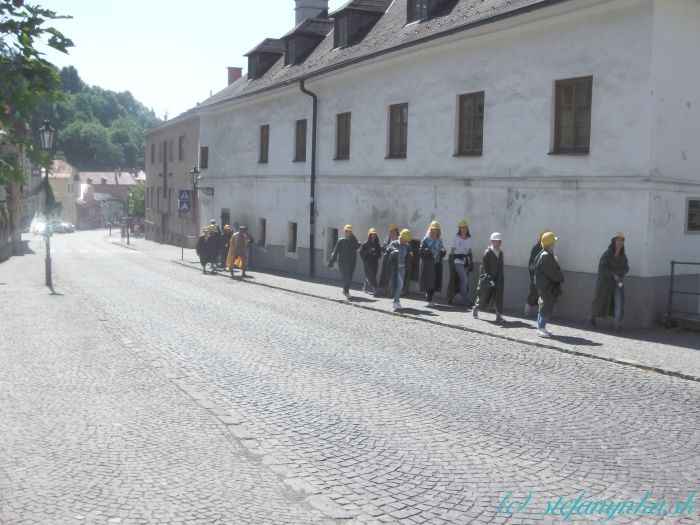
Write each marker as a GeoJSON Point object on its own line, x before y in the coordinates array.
{"type": "Point", "coordinates": [262, 57]}
{"type": "Point", "coordinates": [420, 10]}
{"type": "Point", "coordinates": [303, 39]}
{"type": "Point", "coordinates": [354, 20]}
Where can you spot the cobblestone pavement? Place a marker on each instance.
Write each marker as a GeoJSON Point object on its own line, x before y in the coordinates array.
{"type": "Point", "coordinates": [330, 412]}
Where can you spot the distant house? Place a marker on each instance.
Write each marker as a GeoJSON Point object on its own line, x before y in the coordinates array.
{"type": "Point", "coordinates": [65, 184]}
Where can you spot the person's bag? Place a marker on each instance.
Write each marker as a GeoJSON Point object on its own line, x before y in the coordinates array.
{"type": "Point", "coordinates": [238, 262]}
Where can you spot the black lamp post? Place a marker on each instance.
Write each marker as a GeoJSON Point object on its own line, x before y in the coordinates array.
{"type": "Point", "coordinates": [195, 173]}
{"type": "Point", "coordinates": [46, 132]}
{"type": "Point", "coordinates": [128, 218]}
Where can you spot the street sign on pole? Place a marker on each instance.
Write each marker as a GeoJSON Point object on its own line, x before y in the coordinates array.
{"type": "Point", "coordinates": [184, 207]}
{"type": "Point", "coordinates": [185, 195]}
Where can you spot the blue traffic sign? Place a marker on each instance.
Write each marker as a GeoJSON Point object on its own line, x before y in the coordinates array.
{"type": "Point", "coordinates": [184, 206]}
{"type": "Point", "coordinates": [185, 195]}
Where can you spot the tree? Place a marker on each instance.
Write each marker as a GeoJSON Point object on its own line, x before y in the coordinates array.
{"type": "Point", "coordinates": [28, 78]}
{"type": "Point", "coordinates": [137, 202]}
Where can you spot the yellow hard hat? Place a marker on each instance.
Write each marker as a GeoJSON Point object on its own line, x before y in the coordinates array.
{"type": "Point", "coordinates": [435, 225]}
{"type": "Point", "coordinates": [543, 231]}
{"type": "Point", "coordinates": [548, 239]}
{"type": "Point", "coordinates": [393, 227]}
{"type": "Point", "coordinates": [618, 234]}
{"type": "Point", "coordinates": [372, 231]}
{"type": "Point", "coordinates": [464, 223]}
{"type": "Point", "coordinates": [227, 227]}
{"type": "Point", "coordinates": [347, 228]}
{"type": "Point", "coordinates": [405, 234]}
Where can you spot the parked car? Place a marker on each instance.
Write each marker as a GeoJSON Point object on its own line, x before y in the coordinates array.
{"type": "Point", "coordinates": [59, 226]}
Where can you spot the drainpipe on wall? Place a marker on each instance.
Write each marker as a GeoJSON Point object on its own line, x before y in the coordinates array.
{"type": "Point", "coordinates": [312, 202]}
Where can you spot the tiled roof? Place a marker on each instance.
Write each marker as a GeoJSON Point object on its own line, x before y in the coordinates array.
{"type": "Point", "coordinates": [389, 33]}
{"type": "Point", "coordinates": [125, 179]}
{"type": "Point", "coordinates": [269, 45]}
{"type": "Point", "coordinates": [373, 6]}
{"type": "Point", "coordinates": [312, 26]}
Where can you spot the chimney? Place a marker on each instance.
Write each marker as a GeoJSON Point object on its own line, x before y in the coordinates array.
{"type": "Point", "coordinates": [309, 9]}
{"type": "Point", "coordinates": [234, 73]}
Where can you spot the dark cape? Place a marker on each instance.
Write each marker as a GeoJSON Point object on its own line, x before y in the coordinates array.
{"type": "Point", "coordinates": [608, 266]}
{"type": "Point", "coordinates": [345, 254]}
{"type": "Point", "coordinates": [548, 279]}
{"type": "Point", "coordinates": [370, 252]}
{"type": "Point", "coordinates": [430, 275]}
{"type": "Point", "coordinates": [491, 272]}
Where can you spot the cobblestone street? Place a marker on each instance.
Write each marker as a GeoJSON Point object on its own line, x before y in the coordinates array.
{"type": "Point", "coordinates": [146, 392]}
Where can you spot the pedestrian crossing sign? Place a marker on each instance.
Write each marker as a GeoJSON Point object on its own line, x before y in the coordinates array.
{"type": "Point", "coordinates": [185, 195]}
{"type": "Point", "coordinates": [184, 206]}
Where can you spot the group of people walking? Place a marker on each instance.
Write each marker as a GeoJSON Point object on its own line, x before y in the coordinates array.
{"type": "Point", "coordinates": [400, 253]}
{"type": "Point", "coordinates": [229, 249]}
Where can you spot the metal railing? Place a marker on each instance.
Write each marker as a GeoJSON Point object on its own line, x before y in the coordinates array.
{"type": "Point", "coordinates": [671, 291]}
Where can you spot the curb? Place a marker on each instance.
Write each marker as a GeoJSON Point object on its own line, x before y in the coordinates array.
{"type": "Point", "coordinates": [647, 368]}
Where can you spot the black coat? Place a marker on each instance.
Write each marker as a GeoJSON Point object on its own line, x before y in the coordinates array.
{"type": "Point", "coordinates": [548, 279]}
{"type": "Point", "coordinates": [345, 254]}
{"type": "Point", "coordinates": [608, 266]}
{"type": "Point", "coordinates": [370, 252]}
{"type": "Point", "coordinates": [207, 249]}
{"type": "Point", "coordinates": [430, 275]}
{"type": "Point", "coordinates": [491, 274]}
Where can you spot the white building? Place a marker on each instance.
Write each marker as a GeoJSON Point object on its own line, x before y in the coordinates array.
{"type": "Point", "coordinates": [582, 116]}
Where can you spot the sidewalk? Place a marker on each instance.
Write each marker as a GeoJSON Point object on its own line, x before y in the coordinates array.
{"type": "Point", "coordinates": [671, 352]}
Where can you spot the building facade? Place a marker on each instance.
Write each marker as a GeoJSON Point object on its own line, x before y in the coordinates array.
{"type": "Point", "coordinates": [578, 115]}
{"type": "Point", "coordinates": [171, 152]}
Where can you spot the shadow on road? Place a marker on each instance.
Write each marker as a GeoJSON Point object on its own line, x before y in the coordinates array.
{"type": "Point", "coordinates": [416, 312]}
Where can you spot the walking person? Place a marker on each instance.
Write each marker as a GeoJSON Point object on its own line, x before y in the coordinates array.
{"type": "Point", "coordinates": [200, 248]}
{"type": "Point", "coordinates": [548, 278]}
{"type": "Point", "coordinates": [432, 252]}
{"type": "Point", "coordinates": [238, 251]}
{"type": "Point", "coordinates": [533, 297]}
{"type": "Point", "coordinates": [345, 254]}
{"type": "Point", "coordinates": [489, 292]}
{"type": "Point", "coordinates": [460, 263]}
{"type": "Point", "coordinates": [397, 256]}
{"type": "Point", "coordinates": [610, 292]}
{"type": "Point", "coordinates": [384, 284]}
{"type": "Point", "coordinates": [370, 252]}
{"type": "Point", "coordinates": [224, 244]}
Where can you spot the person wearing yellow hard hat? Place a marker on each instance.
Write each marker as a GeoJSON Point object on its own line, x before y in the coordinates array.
{"type": "Point", "coordinates": [370, 253]}
{"type": "Point", "coordinates": [548, 279]}
{"type": "Point", "coordinates": [609, 297]}
{"type": "Point", "coordinates": [397, 254]}
{"type": "Point", "coordinates": [345, 254]}
{"type": "Point", "coordinates": [490, 287]}
{"type": "Point", "coordinates": [207, 249]}
{"type": "Point", "coordinates": [533, 296]}
{"type": "Point", "coordinates": [431, 252]}
{"type": "Point", "coordinates": [383, 284]}
{"type": "Point", "coordinates": [239, 251]}
{"type": "Point", "coordinates": [224, 244]}
{"type": "Point", "coordinates": [460, 263]}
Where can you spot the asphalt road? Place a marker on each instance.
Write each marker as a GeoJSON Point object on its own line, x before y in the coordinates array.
{"type": "Point", "coordinates": [150, 393]}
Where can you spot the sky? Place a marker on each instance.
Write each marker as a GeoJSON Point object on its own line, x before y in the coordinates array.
{"type": "Point", "coordinates": [170, 55]}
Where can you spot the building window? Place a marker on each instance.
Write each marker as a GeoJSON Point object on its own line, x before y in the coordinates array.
{"type": "Point", "coordinates": [170, 198]}
{"type": "Point", "coordinates": [470, 135]}
{"type": "Point", "coordinates": [160, 152]}
{"type": "Point", "coordinates": [262, 231]}
{"type": "Point", "coordinates": [153, 153]}
{"type": "Point", "coordinates": [331, 241]}
{"type": "Point", "coordinates": [342, 136]}
{"type": "Point", "coordinates": [417, 10]}
{"type": "Point", "coordinates": [181, 148]}
{"type": "Point", "coordinates": [158, 200]}
{"type": "Point", "coordinates": [572, 117]}
{"type": "Point", "coordinates": [204, 157]}
{"type": "Point", "coordinates": [692, 224]}
{"type": "Point", "coordinates": [292, 237]}
{"type": "Point", "coordinates": [264, 143]}
{"type": "Point", "coordinates": [398, 131]}
{"type": "Point", "coordinates": [170, 150]}
{"type": "Point", "coordinates": [300, 141]}
{"type": "Point", "coordinates": [342, 31]}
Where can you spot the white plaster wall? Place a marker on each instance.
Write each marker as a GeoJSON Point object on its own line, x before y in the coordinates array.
{"type": "Point", "coordinates": [675, 152]}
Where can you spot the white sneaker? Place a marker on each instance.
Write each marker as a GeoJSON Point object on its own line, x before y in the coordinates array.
{"type": "Point", "coordinates": [543, 333]}
{"type": "Point", "coordinates": [397, 305]}
{"type": "Point", "coordinates": [431, 304]}
{"type": "Point", "coordinates": [548, 332]}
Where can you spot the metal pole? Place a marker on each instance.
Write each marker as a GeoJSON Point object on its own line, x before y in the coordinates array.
{"type": "Point", "coordinates": [128, 219]}
{"type": "Point", "coordinates": [47, 233]}
{"type": "Point", "coordinates": [670, 290]}
{"type": "Point", "coordinates": [110, 218]}
{"type": "Point", "coordinates": [182, 236]}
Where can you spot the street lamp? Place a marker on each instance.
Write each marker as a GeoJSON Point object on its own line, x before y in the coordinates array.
{"type": "Point", "coordinates": [46, 133]}
{"type": "Point", "coordinates": [128, 219]}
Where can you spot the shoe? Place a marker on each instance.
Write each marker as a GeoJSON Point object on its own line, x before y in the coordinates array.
{"type": "Point", "coordinates": [475, 312]}
{"type": "Point", "coordinates": [499, 319]}
{"type": "Point", "coordinates": [346, 294]}
{"type": "Point", "coordinates": [527, 310]}
{"type": "Point", "coordinates": [549, 332]}
{"type": "Point", "coordinates": [431, 304]}
{"type": "Point", "coordinates": [543, 333]}
{"type": "Point", "coordinates": [397, 305]}
{"type": "Point", "coordinates": [591, 321]}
